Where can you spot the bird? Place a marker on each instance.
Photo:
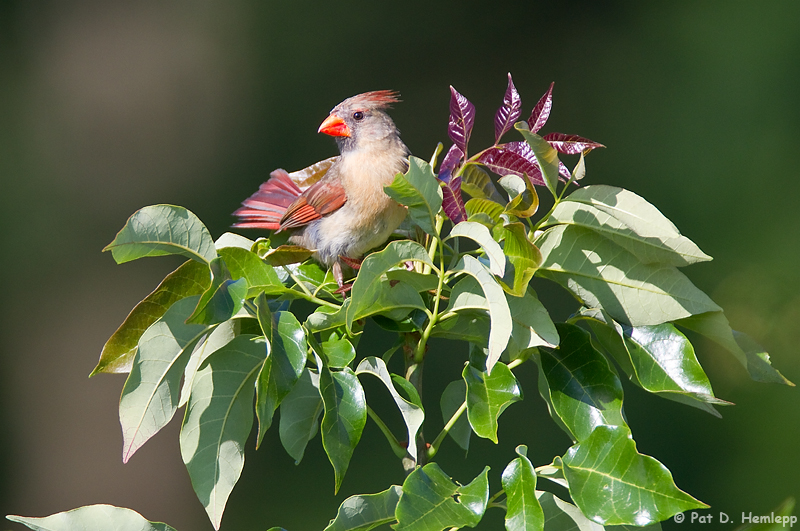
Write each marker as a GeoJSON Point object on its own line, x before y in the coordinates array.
{"type": "Point", "coordinates": [346, 212]}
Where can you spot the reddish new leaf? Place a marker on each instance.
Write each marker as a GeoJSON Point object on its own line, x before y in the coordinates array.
{"type": "Point", "coordinates": [571, 144]}
{"type": "Point", "coordinates": [462, 118]}
{"type": "Point", "coordinates": [452, 200]}
{"type": "Point", "coordinates": [541, 112]}
{"type": "Point", "coordinates": [507, 115]}
{"type": "Point", "coordinates": [450, 162]}
{"type": "Point", "coordinates": [513, 158]}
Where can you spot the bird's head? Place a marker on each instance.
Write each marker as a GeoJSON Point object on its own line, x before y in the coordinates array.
{"type": "Point", "coordinates": [361, 120]}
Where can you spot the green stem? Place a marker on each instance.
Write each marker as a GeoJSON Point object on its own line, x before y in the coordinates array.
{"type": "Point", "coordinates": [449, 426]}
{"type": "Point", "coordinates": [397, 448]}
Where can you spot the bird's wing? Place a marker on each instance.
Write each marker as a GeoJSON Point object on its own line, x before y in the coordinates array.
{"type": "Point", "coordinates": [264, 209]}
{"type": "Point", "coordinates": [321, 198]}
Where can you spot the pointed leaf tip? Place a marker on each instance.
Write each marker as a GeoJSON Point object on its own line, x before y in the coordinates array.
{"type": "Point", "coordinates": [462, 118]}
{"type": "Point", "coordinates": [509, 112]}
{"type": "Point", "coordinates": [541, 112]}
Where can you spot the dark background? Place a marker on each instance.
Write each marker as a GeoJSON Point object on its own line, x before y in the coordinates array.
{"type": "Point", "coordinates": [106, 107]}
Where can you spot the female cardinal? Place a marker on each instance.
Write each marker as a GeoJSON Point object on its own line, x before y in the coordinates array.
{"type": "Point", "coordinates": [346, 212]}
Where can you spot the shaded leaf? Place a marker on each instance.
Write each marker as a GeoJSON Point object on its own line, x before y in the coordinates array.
{"type": "Point", "coordinates": [92, 518]}
{"type": "Point", "coordinates": [338, 352]}
{"type": "Point", "coordinates": [488, 395]}
{"type": "Point", "coordinates": [523, 512]}
{"type": "Point", "coordinates": [412, 413]}
{"type": "Point", "coordinates": [484, 211]}
{"type": "Point", "coordinates": [344, 419]}
{"type": "Point", "coordinates": [418, 281]}
{"type": "Point", "coordinates": [532, 326]}
{"type": "Point", "coordinates": [286, 255]}
{"type": "Point", "coordinates": [715, 326]}
{"type": "Point", "coordinates": [218, 420]}
{"type": "Point", "coordinates": [613, 484]}
{"type": "Point", "coordinates": [191, 278]}
{"type": "Point", "coordinates": [300, 412]}
{"type": "Point", "coordinates": [629, 221]}
{"type": "Point", "coordinates": [220, 336]}
{"type": "Point", "coordinates": [151, 392]}
{"type": "Point", "coordinates": [509, 112]}
{"type": "Point", "coordinates": [562, 516]}
{"type": "Point", "coordinates": [462, 118]}
{"type": "Point", "coordinates": [604, 275]}
{"type": "Point", "coordinates": [281, 369]}
{"type": "Point", "coordinates": [223, 298]}
{"type": "Point", "coordinates": [571, 144]}
{"type": "Point", "coordinates": [160, 230]}
{"type": "Point", "coordinates": [541, 111]}
{"type": "Point", "coordinates": [580, 387]}
{"type": "Point", "coordinates": [481, 235]}
{"type": "Point", "coordinates": [419, 190]}
{"type": "Point", "coordinates": [472, 326]}
{"type": "Point", "coordinates": [546, 156]}
{"type": "Point", "coordinates": [477, 183]}
{"type": "Point", "coordinates": [431, 501]}
{"type": "Point", "coordinates": [453, 397]}
{"type": "Point", "coordinates": [366, 511]}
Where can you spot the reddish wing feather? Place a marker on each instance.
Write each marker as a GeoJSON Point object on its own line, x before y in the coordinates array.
{"type": "Point", "coordinates": [264, 209]}
{"type": "Point", "coordinates": [322, 198]}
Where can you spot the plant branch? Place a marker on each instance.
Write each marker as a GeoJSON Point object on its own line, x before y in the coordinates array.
{"type": "Point", "coordinates": [450, 423]}
{"type": "Point", "coordinates": [397, 448]}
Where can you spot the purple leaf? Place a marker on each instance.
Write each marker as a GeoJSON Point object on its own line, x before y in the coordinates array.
{"type": "Point", "coordinates": [453, 201]}
{"type": "Point", "coordinates": [563, 172]}
{"type": "Point", "coordinates": [462, 118]}
{"type": "Point", "coordinates": [571, 144]}
{"type": "Point", "coordinates": [513, 158]}
{"type": "Point", "coordinates": [541, 112]}
{"type": "Point", "coordinates": [450, 163]}
{"type": "Point", "coordinates": [509, 113]}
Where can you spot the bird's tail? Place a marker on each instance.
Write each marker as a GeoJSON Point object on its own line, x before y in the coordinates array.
{"type": "Point", "coordinates": [265, 208]}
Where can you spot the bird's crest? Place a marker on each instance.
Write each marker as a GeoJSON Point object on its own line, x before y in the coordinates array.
{"type": "Point", "coordinates": [377, 99]}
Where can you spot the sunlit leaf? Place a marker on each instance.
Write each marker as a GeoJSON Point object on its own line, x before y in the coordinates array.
{"type": "Point", "coordinates": [419, 190]}
{"type": "Point", "coordinates": [613, 484]}
{"type": "Point", "coordinates": [571, 144]}
{"type": "Point", "coordinates": [344, 419]}
{"type": "Point", "coordinates": [220, 336]}
{"type": "Point", "coordinates": [562, 516]}
{"type": "Point", "coordinates": [629, 221]}
{"type": "Point", "coordinates": [230, 239]}
{"type": "Point", "coordinates": [92, 518]}
{"type": "Point", "coordinates": [218, 420]}
{"type": "Point", "coordinates": [523, 257]}
{"type": "Point", "coordinates": [286, 254]}
{"type": "Point", "coordinates": [541, 111]}
{"type": "Point", "coordinates": [300, 411]}
{"type": "Point", "coordinates": [223, 298]}
{"type": "Point", "coordinates": [488, 395]}
{"type": "Point", "coordinates": [523, 512]}
{"type": "Point", "coordinates": [311, 174]}
{"type": "Point", "coordinates": [477, 183]}
{"type": "Point", "coordinates": [191, 278]}
{"type": "Point", "coordinates": [431, 501]}
{"type": "Point", "coordinates": [481, 235]}
{"type": "Point", "coordinates": [472, 326]}
{"type": "Point", "coordinates": [462, 118]}
{"type": "Point", "coordinates": [151, 392]}
{"type": "Point", "coordinates": [715, 326]}
{"type": "Point", "coordinates": [160, 230]}
{"type": "Point", "coordinates": [604, 275]}
{"type": "Point", "coordinates": [484, 209]}
{"type": "Point", "coordinates": [366, 511]}
{"type": "Point", "coordinates": [453, 397]}
{"type": "Point", "coordinates": [260, 276]}
{"type": "Point", "coordinates": [525, 201]}
{"type": "Point", "coordinates": [338, 352]}
{"type": "Point", "coordinates": [509, 112]}
{"type": "Point", "coordinates": [546, 155]}
{"type": "Point", "coordinates": [412, 414]}
{"type": "Point", "coordinates": [580, 387]}
{"type": "Point", "coordinates": [513, 158]}
{"type": "Point", "coordinates": [281, 369]}
{"type": "Point", "coordinates": [532, 326]}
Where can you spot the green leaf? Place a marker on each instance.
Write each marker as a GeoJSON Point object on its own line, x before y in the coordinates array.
{"type": "Point", "coordinates": [630, 222]}
{"type": "Point", "coordinates": [546, 155]}
{"type": "Point", "coordinates": [413, 414]}
{"type": "Point", "coordinates": [419, 190]}
{"type": "Point", "coordinates": [92, 518]}
{"type": "Point", "coordinates": [191, 278]}
{"type": "Point", "coordinates": [523, 256]}
{"type": "Point", "coordinates": [453, 397]}
{"type": "Point", "coordinates": [477, 183]}
{"type": "Point", "coordinates": [488, 395]}
{"type": "Point", "coordinates": [230, 239]}
{"type": "Point", "coordinates": [218, 420]}
{"type": "Point", "coordinates": [151, 392]}
{"type": "Point", "coordinates": [471, 326]}
{"type": "Point", "coordinates": [286, 255]}
{"type": "Point", "coordinates": [524, 199]}
{"type": "Point", "coordinates": [523, 512]}
{"type": "Point", "coordinates": [300, 412]}
{"type": "Point", "coordinates": [222, 300]}
{"type": "Point", "coordinates": [613, 484]}
{"type": "Point", "coordinates": [366, 511]}
{"type": "Point", "coordinates": [371, 295]}
{"type": "Point", "coordinates": [776, 521]}
{"type": "Point", "coordinates": [220, 336]}
{"type": "Point", "coordinates": [431, 501]}
{"type": "Point", "coordinates": [562, 516]}
{"type": "Point", "coordinates": [260, 276]}
{"type": "Point", "coordinates": [418, 281]}
{"type": "Point", "coordinates": [532, 326]}
{"type": "Point", "coordinates": [325, 318]}
{"type": "Point", "coordinates": [344, 419]}
{"type": "Point", "coordinates": [496, 304]}
{"type": "Point", "coordinates": [281, 369]}
{"type": "Point", "coordinates": [481, 235]}
{"type": "Point", "coordinates": [483, 211]}
{"type": "Point", "coordinates": [338, 352]}
{"type": "Point", "coordinates": [715, 326]}
{"type": "Point", "coordinates": [581, 389]}
{"type": "Point", "coordinates": [160, 230]}
{"type": "Point", "coordinates": [660, 360]}
{"type": "Point", "coordinates": [604, 275]}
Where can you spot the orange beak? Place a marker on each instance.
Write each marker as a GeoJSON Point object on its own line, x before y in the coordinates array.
{"type": "Point", "coordinates": [334, 126]}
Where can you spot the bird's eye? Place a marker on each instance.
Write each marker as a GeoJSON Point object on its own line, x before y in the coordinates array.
{"type": "Point", "coordinates": [358, 115]}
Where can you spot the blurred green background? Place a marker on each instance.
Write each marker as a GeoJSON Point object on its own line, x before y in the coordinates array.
{"type": "Point", "coordinates": [106, 107]}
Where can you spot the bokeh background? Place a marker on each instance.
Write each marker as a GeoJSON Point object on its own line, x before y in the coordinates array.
{"type": "Point", "coordinates": [106, 107]}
